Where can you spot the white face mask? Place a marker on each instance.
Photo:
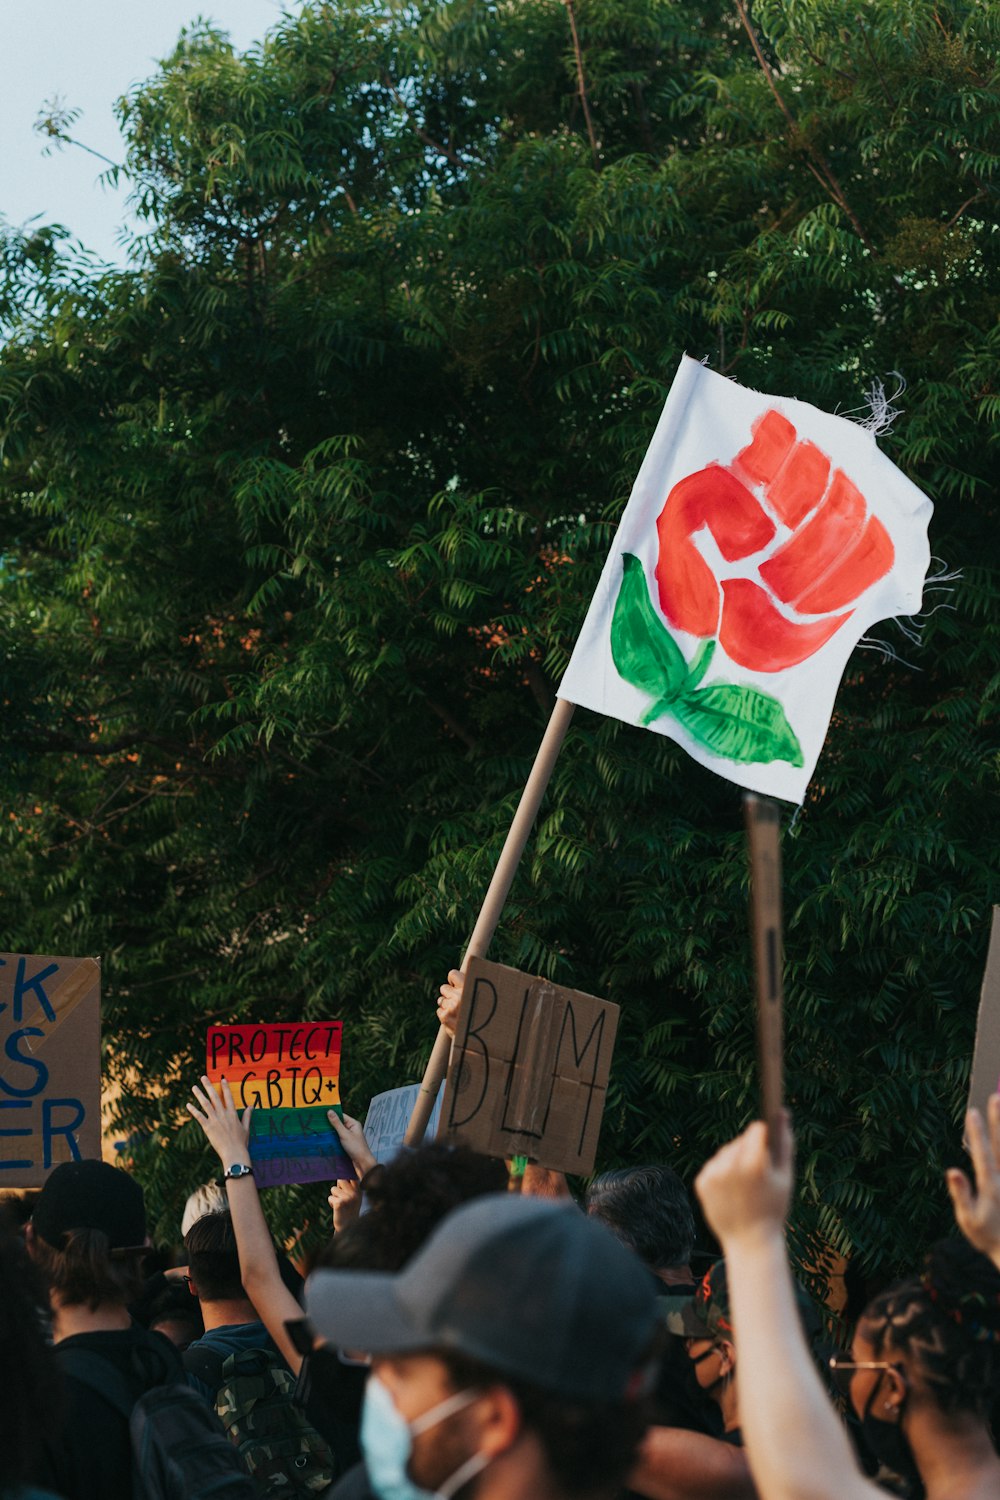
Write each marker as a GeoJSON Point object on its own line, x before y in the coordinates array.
{"type": "Point", "coordinates": [387, 1444]}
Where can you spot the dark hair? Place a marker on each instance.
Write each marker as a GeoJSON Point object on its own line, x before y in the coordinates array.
{"type": "Point", "coordinates": [589, 1446]}
{"type": "Point", "coordinates": [31, 1401]}
{"type": "Point", "coordinates": [87, 1272]}
{"type": "Point", "coordinates": [214, 1259]}
{"type": "Point", "coordinates": [947, 1320]}
{"type": "Point", "coordinates": [175, 1305]}
{"type": "Point", "coordinates": [407, 1199]}
{"type": "Point", "coordinates": [648, 1210]}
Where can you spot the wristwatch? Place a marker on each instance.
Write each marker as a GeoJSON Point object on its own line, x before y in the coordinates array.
{"type": "Point", "coordinates": [238, 1169]}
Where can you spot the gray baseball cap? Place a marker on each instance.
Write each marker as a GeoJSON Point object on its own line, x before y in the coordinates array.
{"type": "Point", "coordinates": [530, 1287]}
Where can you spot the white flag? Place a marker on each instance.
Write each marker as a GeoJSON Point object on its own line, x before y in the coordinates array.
{"type": "Point", "coordinates": [762, 539]}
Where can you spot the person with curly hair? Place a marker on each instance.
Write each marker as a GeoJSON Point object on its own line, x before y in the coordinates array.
{"type": "Point", "coordinates": [923, 1368]}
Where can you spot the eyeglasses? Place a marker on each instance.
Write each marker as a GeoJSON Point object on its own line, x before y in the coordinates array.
{"type": "Point", "coordinates": [842, 1368]}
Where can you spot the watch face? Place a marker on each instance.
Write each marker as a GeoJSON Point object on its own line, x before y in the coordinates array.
{"type": "Point", "coordinates": [239, 1170]}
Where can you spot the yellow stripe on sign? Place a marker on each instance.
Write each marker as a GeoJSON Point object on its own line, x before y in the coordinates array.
{"type": "Point", "coordinates": [298, 1089]}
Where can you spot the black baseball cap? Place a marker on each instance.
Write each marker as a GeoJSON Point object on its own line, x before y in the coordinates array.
{"type": "Point", "coordinates": [530, 1287]}
{"type": "Point", "coordinates": [90, 1195]}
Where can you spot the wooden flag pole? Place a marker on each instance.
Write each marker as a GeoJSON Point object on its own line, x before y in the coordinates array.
{"type": "Point", "coordinates": [489, 916]}
{"type": "Point", "coordinates": [763, 832]}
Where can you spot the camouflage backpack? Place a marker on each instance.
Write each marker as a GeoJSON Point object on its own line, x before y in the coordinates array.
{"type": "Point", "coordinates": [285, 1455]}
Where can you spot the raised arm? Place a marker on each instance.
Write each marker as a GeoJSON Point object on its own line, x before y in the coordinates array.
{"type": "Point", "coordinates": [977, 1210]}
{"type": "Point", "coordinates": [796, 1444]}
{"type": "Point", "coordinates": [228, 1134]}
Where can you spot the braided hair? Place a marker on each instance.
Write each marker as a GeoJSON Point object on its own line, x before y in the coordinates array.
{"type": "Point", "coordinates": [947, 1320]}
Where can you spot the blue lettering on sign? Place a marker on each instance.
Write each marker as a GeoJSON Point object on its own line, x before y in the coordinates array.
{"type": "Point", "coordinates": [15, 1055]}
{"type": "Point", "coordinates": [13, 1165]}
{"type": "Point", "coordinates": [50, 1129]}
{"type": "Point", "coordinates": [23, 985]}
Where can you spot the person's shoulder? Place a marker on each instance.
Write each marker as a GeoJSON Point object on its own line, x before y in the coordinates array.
{"type": "Point", "coordinates": [115, 1340]}
{"type": "Point", "coordinates": [144, 1357]}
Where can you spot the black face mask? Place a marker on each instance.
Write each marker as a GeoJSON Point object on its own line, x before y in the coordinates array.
{"type": "Point", "coordinates": [890, 1445]}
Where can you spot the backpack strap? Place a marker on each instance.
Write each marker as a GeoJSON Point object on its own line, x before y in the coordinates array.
{"type": "Point", "coordinates": [100, 1375]}
{"type": "Point", "coordinates": [205, 1364]}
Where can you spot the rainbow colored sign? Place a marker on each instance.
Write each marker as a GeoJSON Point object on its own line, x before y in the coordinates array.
{"type": "Point", "coordinates": [290, 1073]}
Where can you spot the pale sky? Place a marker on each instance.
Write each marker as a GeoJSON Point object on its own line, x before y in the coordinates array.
{"type": "Point", "coordinates": [88, 52]}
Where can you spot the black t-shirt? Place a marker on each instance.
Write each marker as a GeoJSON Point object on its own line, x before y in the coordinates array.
{"type": "Point", "coordinates": [90, 1457]}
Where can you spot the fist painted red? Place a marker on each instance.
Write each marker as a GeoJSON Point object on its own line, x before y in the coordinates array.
{"type": "Point", "coordinates": [826, 550]}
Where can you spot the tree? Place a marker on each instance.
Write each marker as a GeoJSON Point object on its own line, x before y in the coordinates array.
{"type": "Point", "coordinates": [304, 509]}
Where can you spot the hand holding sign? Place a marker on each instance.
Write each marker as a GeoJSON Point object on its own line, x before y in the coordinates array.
{"type": "Point", "coordinates": [351, 1134]}
{"type": "Point", "coordinates": [450, 1001]}
{"type": "Point", "coordinates": [529, 1069]}
{"type": "Point", "coordinates": [977, 1211]}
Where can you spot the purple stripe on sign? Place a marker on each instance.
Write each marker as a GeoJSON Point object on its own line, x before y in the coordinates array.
{"type": "Point", "coordinates": [295, 1145]}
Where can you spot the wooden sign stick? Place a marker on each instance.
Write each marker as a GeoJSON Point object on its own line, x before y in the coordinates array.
{"type": "Point", "coordinates": [763, 833]}
{"type": "Point", "coordinates": [489, 916]}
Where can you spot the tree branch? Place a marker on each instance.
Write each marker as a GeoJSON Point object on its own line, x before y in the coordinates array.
{"type": "Point", "coordinates": [819, 166]}
{"type": "Point", "coordinates": [581, 84]}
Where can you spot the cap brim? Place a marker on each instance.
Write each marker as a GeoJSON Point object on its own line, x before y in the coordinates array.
{"type": "Point", "coordinates": [359, 1310]}
{"type": "Point", "coordinates": [683, 1320]}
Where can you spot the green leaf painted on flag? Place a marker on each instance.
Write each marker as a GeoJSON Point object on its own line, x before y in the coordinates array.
{"type": "Point", "coordinates": [642, 647]}
{"type": "Point", "coordinates": [738, 723]}
{"type": "Point", "coordinates": [700, 663]}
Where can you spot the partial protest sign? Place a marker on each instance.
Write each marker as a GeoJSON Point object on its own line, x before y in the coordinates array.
{"type": "Point", "coordinates": [529, 1070]}
{"type": "Point", "coordinates": [763, 537]}
{"type": "Point", "coordinates": [50, 1067]}
{"type": "Point", "coordinates": [387, 1117]}
{"type": "Point", "coordinates": [985, 1078]}
{"type": "Point", "coordinates": [290, 1073]}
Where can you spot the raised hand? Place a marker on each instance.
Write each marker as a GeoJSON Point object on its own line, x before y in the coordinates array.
{"type": "Point", "coordinates": [345, 1201]}
{"type": "Point", "coordinates": [228, 1134]}
{"type": "Point", "coordinates": [743, 1189]}
{"type": "Point", "coordinates": [450, 1001]}
{"type": "Point", "coordinates": [977, 1210]}
{"type": "Point", "coordinates": [352, 1137]}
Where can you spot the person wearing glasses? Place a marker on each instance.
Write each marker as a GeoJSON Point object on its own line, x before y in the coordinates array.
{"type": "Point", "coordinates": [924, 1367]}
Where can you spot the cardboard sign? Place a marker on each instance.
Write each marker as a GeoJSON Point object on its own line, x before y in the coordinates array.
{"type": "Point", "coordinates": [50, 1065]}
{"type": "Point", "coordinates": [290, 1073]}
{"type": "Point", "coordinates": [529, 1069]}
{"type": "Point", "coordinates": [986, 1057]}
{"type": "Point", "coordinates": [387, 1118]}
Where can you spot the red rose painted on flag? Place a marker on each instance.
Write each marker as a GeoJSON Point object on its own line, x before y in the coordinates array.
{"type": "Point", "coordinates": [805, 548]}
{"type": "Point", "coordinates": [803, 589]}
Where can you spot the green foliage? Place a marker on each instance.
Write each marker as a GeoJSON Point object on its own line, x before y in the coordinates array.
{"type": "Point", "coordinates": [302, 512]}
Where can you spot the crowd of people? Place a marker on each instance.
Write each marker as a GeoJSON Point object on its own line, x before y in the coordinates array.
{"type": "Point", "coordinates": [459, 1339]}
